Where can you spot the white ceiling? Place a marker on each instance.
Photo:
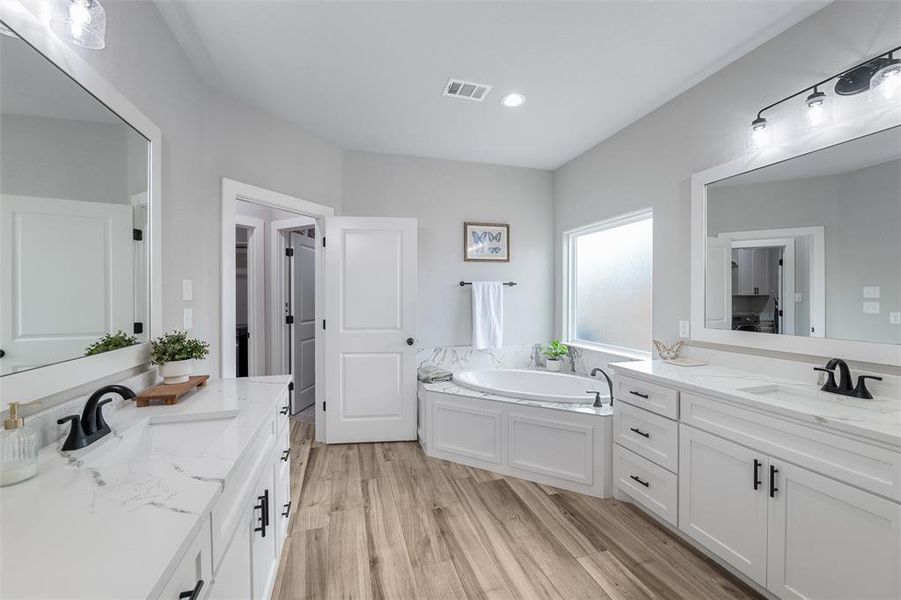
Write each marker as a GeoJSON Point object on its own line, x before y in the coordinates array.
{"type": "Point", "coordinates": [370, 75]}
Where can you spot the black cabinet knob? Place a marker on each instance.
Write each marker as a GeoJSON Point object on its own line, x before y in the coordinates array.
{"type": "Point", "coordinates": [410, 341]}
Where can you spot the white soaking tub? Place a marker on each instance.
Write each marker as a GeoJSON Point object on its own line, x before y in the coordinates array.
{"type": "Point", "coordinates": [542, 386]}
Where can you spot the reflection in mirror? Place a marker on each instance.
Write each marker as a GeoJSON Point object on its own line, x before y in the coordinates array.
{"type": "Point", "coordinates": [810, 246]}
{"type": "Point", "coordinates": [73, 208]}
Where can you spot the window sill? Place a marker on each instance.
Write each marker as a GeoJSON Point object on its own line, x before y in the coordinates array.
{"type": "Point", "coordinates": [613, 351]}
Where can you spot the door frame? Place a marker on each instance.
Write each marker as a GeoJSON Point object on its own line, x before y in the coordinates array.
{"type": "Point", "coordinates": [256, 292]}
{"type": "Point", "coordinates": [233, 190]}
{"type": "Point", "coordinates": [787, 321]}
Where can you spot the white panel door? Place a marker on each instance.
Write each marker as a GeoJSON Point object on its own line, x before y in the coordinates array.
{"type": "Point", "coordinates": [370, 314]}
{"type": "Point", "coordinates": [829, 540]}
{"type": "Point", "coordinates": [304, 311]}
{"type": "Point", "coordinates": [66, 275]}
{"type": "Point", "coordinates": [723, 501]}
{"type": "Point", "coordinates": [718, 286]}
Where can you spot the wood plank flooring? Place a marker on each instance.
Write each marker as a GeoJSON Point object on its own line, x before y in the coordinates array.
{"type": "Point", "coordinates": [385, 522]}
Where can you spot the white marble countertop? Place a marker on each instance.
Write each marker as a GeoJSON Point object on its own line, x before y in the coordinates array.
{"type": "Point", "coordinates": [118, 531]}
{"type": "Point", "coordinates": [449, 387]}
{"type": "Point", "coordinates": [878, 419]}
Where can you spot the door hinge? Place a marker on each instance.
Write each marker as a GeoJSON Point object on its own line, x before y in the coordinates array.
{"type": "Point", "coordinates": [323, 324]}
{"type": "Point", "coordinates": [289, 319]}
{"type": "Point", "coordinates": [138, 327]}
{"type": "Point", "coordinates": [780, 262]}
{"type": "Point", "coordinates": [289, 251]}
{"type": "Point", "coordinates": [291, 386]}
{"type": "Point", "coordinates": [323, 241]}
{"type": "Point", "coordinates": [781, 314]}
{"type": "Point", "coordinates": [323, 407]}
{"type": "Point", "coordinates": [137, 235]}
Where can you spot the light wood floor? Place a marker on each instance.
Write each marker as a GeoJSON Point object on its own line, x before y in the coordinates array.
{"type": "Point", "coordinates": [385, 522]}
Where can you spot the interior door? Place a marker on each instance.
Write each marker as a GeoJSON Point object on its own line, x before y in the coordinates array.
{"type": "Point", "coordinates": [718, 307]}
{"type": "Point", "coordinates": [723, 501]}
{"type": "Point", "coordinates": [830, 540]}
{"type": "Point", "coordinates": [303, 295]}
{"type": "Point", "coordinates": [370, 322]}
{"type": "Point", "coordinates": [53, 249]}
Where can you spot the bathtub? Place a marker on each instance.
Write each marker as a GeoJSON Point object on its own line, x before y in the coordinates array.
{"type": "Point", "coordinates": [542, 386]}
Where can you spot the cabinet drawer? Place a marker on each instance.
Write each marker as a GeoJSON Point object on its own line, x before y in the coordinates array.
{"type": "Point", "coordinates": [864, 465]}
{"type": "Point", "coordinates": [195, 566]}
{"type": "Point", "coordinates": [649, 396]}
{"type": "Point", "coordinates": [650, 485]}
{"type": "Point", "coordinates": [647, 434]}
{"type": "Point", "coordinates": [283, 412]}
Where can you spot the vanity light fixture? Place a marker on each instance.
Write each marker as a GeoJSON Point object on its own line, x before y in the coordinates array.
{"type": "Point", "coordinates": [513, 100]}
{"type": "Point", "coordinates": [82, 21]}
{"type": "Point", "coordinates": [880, 74]}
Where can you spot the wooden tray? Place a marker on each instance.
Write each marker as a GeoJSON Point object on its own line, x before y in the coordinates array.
{"type": "Point", "coordinates": [170, 393]}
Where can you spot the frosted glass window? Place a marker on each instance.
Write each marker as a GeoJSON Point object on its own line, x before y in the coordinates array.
{"type": "Point", "coordinates": [611, 285]}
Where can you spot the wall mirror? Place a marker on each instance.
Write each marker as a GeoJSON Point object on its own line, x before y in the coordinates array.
{"type": "Point", "coordinates": [77, 206]}
{"type": "Point", "coordinates": [808, 247]}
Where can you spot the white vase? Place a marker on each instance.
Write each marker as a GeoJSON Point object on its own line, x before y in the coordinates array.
{"type": "Point", "coordinates": [552, 364]}
{"type": "Point", "coordinates": [176, 371]}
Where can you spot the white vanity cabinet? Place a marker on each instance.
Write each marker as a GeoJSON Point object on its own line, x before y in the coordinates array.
{"type": "Point", "coordinates": [798, 509]}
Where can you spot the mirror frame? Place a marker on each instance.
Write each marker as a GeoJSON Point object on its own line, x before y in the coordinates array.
{"type": "Point", "coordinates": [30, 21]}
{"type": "Point", "coordinates": [870, 352]}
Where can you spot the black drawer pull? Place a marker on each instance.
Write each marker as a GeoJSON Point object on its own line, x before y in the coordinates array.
{"type": "Point", "coordinates": [192, 594]}
{"type": "Point", "coordinates": [284, 410]}
{"type": "Point", "coordinates": [638, 479]}
{"type": "Point", "coordinates": [773, 488]}
{"type": "Point", "coordinates": [287, 509]}
{"type": "Point", "coordinates": [639, 394]}
{"type": "Point", "coordinates": [639, 432]}
{"type": "Point", "coordinates": [757, 465]}
{"type": "Point", "coordinates": [263, 507]}
{"type": "Point", "coordinates": [286, 454]}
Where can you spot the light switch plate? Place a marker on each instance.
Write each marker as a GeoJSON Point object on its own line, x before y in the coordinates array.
{"type": "Point", "coordinates": [894, 318]}
{"type": "Point", "coordinates": [871, 291]}
{"type": "Point", "coordinates": [871, 308]}
{"type": "Point", "coordinates": [799, 297]}
{"type": "Point", "coordinates": [189, 318]}
{"type": "Point", "coordinates": [684, 329]}
{"type": "Point", "coordinates": [187, 289]}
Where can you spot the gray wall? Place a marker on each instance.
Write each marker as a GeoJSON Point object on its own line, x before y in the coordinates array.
{"type": "Point", "coordinates": [443, 195]}
{"type": "Point", "coordinates": [650, 163]}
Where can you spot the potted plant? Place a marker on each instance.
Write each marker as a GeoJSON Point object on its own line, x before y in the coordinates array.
{"type": "Point", "coordinates": [554, 352]}
{"type": "Point", "coordinates": [111, 341]}
{"type": "Point", "coordinates": [174, 353]}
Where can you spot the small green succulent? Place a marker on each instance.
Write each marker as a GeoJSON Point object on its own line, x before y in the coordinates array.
{"type": "Point", "coordinates": [177, 346]}
{"type": "Point", "coordinates": [111, 341]}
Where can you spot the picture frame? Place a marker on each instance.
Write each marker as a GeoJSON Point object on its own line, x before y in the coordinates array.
{"type": "Point", "coordinates": [486, 242]}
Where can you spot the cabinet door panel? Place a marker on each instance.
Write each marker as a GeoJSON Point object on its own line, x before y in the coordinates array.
{"type": "Point", "coordinates": [718, 505]}
{"type": "Point", "coordinates": [263, 547]}
{"type": "Point", "coordinates": [829, 540]}
{"type": "Point", "coordinates": [232, 579]}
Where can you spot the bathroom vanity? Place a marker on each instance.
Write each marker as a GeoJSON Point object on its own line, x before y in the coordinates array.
{"type": "Point", "coordinates": [796, 489]}
{"type": "Point", "coordinates": [191, 500]}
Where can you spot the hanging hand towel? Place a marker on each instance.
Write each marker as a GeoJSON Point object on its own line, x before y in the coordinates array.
{"type": "Point", "coordinates": [487, 314]}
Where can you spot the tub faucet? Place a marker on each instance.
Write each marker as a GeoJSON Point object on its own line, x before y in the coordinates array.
{"type": "Point", "coordinates": [594, 373]}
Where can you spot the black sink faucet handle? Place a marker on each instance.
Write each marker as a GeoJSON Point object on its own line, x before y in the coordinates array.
{"type": "Point", "coordinates": [98, 414]}
{"type": "Point", "coordinates": [861, 390]}
{"type": "Point", "coordinates": [76, 438]}
{"type": "Point", "coordinates": [830, 385]}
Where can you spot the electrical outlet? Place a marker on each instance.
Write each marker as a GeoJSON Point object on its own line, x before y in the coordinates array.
{"type": "Point", "coordinates": [189, 319]}
{"type": "Point", "coordinates": [187, 289]}
{"type": "Point", "coordinates": [871, 291]}
{"type": "Point", "coordinates": [684, 329]}
{"type": "Point", "coordinates": [871, 308]}
{"type": "Point", "coordinates": [894, 318]}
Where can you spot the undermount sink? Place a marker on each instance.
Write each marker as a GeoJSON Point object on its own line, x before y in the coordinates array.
{"type": "Point", "coordinates": [159, 440]}
{"type": "Point", "coordinates": [776, 390]}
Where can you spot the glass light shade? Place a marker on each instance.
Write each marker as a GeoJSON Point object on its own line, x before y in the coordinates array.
{"type": "Point", "coordinates": [82, 21]}
{"type": "Point", "coordinates": [760, 134]}
{"type": "Point", "coordinates": [885, 86]}
{"type": "Point", "coordinates": [816, 110]}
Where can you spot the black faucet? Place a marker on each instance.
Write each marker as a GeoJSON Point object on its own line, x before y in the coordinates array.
{"type": "Point", "coordinates": [91, 426]}
{"type": "Point", "coordinates": [843, 386]}
{"type": "Point", "coordinates": [597, 398]}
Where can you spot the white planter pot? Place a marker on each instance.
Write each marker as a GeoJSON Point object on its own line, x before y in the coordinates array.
{"type": "Point", "coordinates": [176, 371]}
{"type": "Point", "coordinates": [552, 364]}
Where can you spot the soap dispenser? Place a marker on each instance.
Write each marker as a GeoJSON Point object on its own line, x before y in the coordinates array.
{"type": "Point", "coordinates": [18, 449]}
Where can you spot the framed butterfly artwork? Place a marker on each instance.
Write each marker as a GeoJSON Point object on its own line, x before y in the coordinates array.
{"type": "Point", "coordinates": [486, 242]}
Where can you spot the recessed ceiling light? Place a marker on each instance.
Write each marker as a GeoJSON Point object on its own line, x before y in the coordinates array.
{"type": "Point", "coordinates": [513, 100]}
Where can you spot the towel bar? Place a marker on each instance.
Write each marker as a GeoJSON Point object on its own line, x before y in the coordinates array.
{"type": "Point", "coordinates": [507, 283]}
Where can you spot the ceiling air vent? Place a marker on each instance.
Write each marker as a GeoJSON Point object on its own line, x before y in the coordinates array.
{"type": "Point", "coordinates": [468, 90]}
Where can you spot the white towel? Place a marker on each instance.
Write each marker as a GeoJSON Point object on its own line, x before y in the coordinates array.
{"type": "Point", "coordinates": [487, 314]}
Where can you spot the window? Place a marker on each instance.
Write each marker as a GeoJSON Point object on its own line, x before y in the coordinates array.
{"type": "Point", "coordinates": [608, 293]}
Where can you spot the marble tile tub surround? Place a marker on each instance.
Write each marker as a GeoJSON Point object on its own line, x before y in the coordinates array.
{"type": "Point", "coordinates": [465, 358]}
{"type": "Point", "coordinates": [117, 531]}
{"type": "Point", "coordinates": [449, 387]}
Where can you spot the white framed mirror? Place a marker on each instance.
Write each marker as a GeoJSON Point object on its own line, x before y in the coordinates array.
{"type": "Point", "coordinates": [799, 250]}
{"type": "Point", "coordinates": [79, 218]}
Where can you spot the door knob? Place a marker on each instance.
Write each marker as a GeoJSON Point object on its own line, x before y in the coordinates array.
{"type": "Point", "coordinates": [410, 341]}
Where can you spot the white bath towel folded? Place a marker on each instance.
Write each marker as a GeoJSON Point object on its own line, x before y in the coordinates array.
{"type": "Point", "coordinates": [487, 314]}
